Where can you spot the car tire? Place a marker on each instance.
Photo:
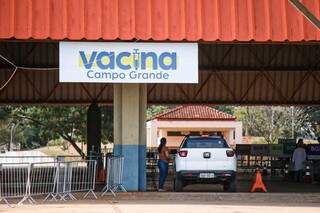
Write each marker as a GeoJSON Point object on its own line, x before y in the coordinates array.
{"type": "Point", "coordinates": [230, 186]}
{"type": "Point", "coordinates": [178, 184]}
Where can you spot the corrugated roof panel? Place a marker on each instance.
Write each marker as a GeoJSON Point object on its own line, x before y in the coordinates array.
{"type": "Point", "coordinates": [109, 20]}
{"type": "Point", "coordinates": [211, 56]}
{"type": "Point", "coordinates": [175, 20]}
{"type": "Point", "coordinates": [141, 22]}
{"type": "Point", "coordinates": [239, 74]}
{"type": "Point", "coordinates": [40, 22]}
{"type": "Point", "coordinates": [243, 87]}
{"type": "Point", "coordinates": [93, 19]}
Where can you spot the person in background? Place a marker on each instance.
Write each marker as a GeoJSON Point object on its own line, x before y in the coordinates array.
{"type": "Point", "coordinates": [163, 163]}
{"type": "Point", "coordinates": [298, 159]}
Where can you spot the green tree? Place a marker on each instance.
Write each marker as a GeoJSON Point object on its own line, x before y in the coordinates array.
{"type": "Point", "coordinates": [155, 109]}
{"type": "Point", "coordinates": [40, 124]}
{"type": "Point", "coordinates": [274, 122]}
{"type": "Point", "coordinates": [312, 114]}
{"type": "Point", "coordinates": [52, 123]}
{"type": "Point", "coordinates": [11, 130]}
{"type": "Point", "coordinates": [227, 109]}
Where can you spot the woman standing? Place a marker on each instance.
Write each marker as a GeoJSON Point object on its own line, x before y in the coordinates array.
{"type": "Point", "coordinates": [163, 162]}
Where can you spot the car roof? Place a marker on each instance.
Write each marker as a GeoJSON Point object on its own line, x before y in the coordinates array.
{"type": "Point", "coordinates": [210, 136]}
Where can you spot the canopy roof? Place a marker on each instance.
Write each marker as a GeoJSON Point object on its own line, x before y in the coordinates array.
{"type": "Point", "coordinates": [239, 59]}
{"type": "Point", "coordinates": [165, 20]}
{"type": "Point", "coordinates": [228, 74]}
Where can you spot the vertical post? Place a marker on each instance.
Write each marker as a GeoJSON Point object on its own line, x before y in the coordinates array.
{"type": "Point", "coordinates": [117, 119]}
{"type": "Point", "coordinates": [130, 101]}
{"type": "Point", "coordinates": [230, 137]}
{"type": "Point", "coordinates": [142, 137]}
{"type": "Point", "coordinates": [238, 133]}
{"type": "Point", "coordinates": [153, 137]}
{"type": "Point", "coordinates": [292, 122]}
{"type": "Point", "coordinates": [94, 132]}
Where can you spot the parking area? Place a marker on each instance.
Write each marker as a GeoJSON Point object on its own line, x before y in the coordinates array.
{"type": "Point", "coordinates": [276, 186]}
{"type": "Point", "coordinates": [244, 183]}
{"type": "Point", "coordinates": [275, 171]}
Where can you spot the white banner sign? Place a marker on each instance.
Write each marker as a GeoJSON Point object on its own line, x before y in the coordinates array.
{"type": "Point", "coordinates": [128, 62]}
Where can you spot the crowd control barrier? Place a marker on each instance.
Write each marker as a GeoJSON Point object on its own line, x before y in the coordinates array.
{"type": "Point", "coordinates": [114, 180]}
{"type": "Point", "coordinates": [55, 180]}
{"type": "Point", "coordinates": [43, 179]}
{"type": "Point", "coordinates": [80, 176]}
{"type": "Point", "coordinates": [15, 182]}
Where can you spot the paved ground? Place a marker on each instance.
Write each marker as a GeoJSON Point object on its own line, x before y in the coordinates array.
{"type": "Point", "coordinates": [158, 208]}
{"type": "Point", "coordinates": [278, 186]}
{"type": "Point", "coordinates": [274, 184]}
{"type": "Point", "coordinates": [154, 202]}
{"type": "Point", "coordinates": [283, 196]}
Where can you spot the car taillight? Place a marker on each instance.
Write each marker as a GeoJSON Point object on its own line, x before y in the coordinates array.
{"type": "Point", "coordinates": [183, 153]}
{"type": "Point", "coordinates": [230, 153]}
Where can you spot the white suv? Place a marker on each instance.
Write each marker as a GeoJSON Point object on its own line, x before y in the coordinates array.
{"type": "Point", "coordinates": [205, 159]}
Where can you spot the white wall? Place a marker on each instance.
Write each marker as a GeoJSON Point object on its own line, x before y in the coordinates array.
{"type": "Point", "coordinates": [159, 129]}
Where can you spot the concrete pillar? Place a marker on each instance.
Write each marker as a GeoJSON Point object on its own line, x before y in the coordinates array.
{"type": "Point", "coordinates": [130, 102]}
{"type": "Point", "coordinates": [154, 134]}
{"type": "Point", "coordinates": [231, 139]}
{"type": "Point", "coordinates": [94, 132]}
{"type": "Point", "coordinates": [162, 133]}
{"type": "Point", "coordinates": [238, 133]}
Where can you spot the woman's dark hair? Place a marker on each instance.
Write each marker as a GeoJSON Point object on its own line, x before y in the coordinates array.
{"type": "Point", "coordinates": [163, 142]}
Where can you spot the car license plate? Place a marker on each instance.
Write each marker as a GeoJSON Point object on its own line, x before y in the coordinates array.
{"type": "Point", "coordinates": [206, 175]}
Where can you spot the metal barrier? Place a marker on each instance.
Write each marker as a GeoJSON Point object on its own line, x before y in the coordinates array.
{"type": "Point", "coordinates": [43, 179]}
{"type": "Point", "coordinates": [63, 182]}
{"type": "Point", "coordinates": [37, 159]}
{"type": "Point", "coordinates": [57, 180]}
{"type": "Point", "coordinates": [80, 177]}
{"type": "Point", "coordinates": [114, 175]}
{"type": "Point", "coordinates": [25, 159]}
{"type": "Point", "coordinates": [15, 182]}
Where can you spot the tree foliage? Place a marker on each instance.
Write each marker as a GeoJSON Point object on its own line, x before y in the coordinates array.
{"type": "Point", "coordinates": [274, 122]}
{"type": "Point", "coordinates": [155, 109]}
{"type": "Point", "coordinates": [34, 126]}
{"type": "Point", "coordinates": [40, 124]}
{"type": "Point", "coordinates": [313, 113]}
{"type": "Point", "coordinates": [227, 109]}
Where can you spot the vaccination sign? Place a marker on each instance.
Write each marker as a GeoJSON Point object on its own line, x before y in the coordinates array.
{"type": "Point", "coordinates": [119, 62]}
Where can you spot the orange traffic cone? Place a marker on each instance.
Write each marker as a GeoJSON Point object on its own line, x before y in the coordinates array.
{"type": "Point", "coordinates": [258, 184]}
{"type": "Point", "coordinates": [101, 177]}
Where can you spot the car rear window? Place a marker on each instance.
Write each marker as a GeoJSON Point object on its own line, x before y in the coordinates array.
{"type": "Point", "coordinates": [205, 143]}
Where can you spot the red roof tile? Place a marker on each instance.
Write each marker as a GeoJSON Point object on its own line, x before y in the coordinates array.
{"type": "Point", "coordinates": [194, 112]}
{"type": "Point", "coordinates": [174, 20]}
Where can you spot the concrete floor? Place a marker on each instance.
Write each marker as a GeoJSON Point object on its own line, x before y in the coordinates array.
{"type": "Point", "coordinates": [154, 202]}
{"type": "Point", "coordinates": [275, 186]}
{"type": "Point", "coordinates": [282, 196]}
{"type": "Point", "coordinates": [244, 185]}
{"type": "Point", "coordinates": [158, 208]}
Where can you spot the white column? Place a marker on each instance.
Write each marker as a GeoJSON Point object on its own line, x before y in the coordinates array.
{"type": "Point", "coordinates": [238, 133]}
{"type": "Point", "coordinates": [130, 101]}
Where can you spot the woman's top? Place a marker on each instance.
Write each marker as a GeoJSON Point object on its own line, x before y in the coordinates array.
{"type": "Point", "coordinates": [164, 154]}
